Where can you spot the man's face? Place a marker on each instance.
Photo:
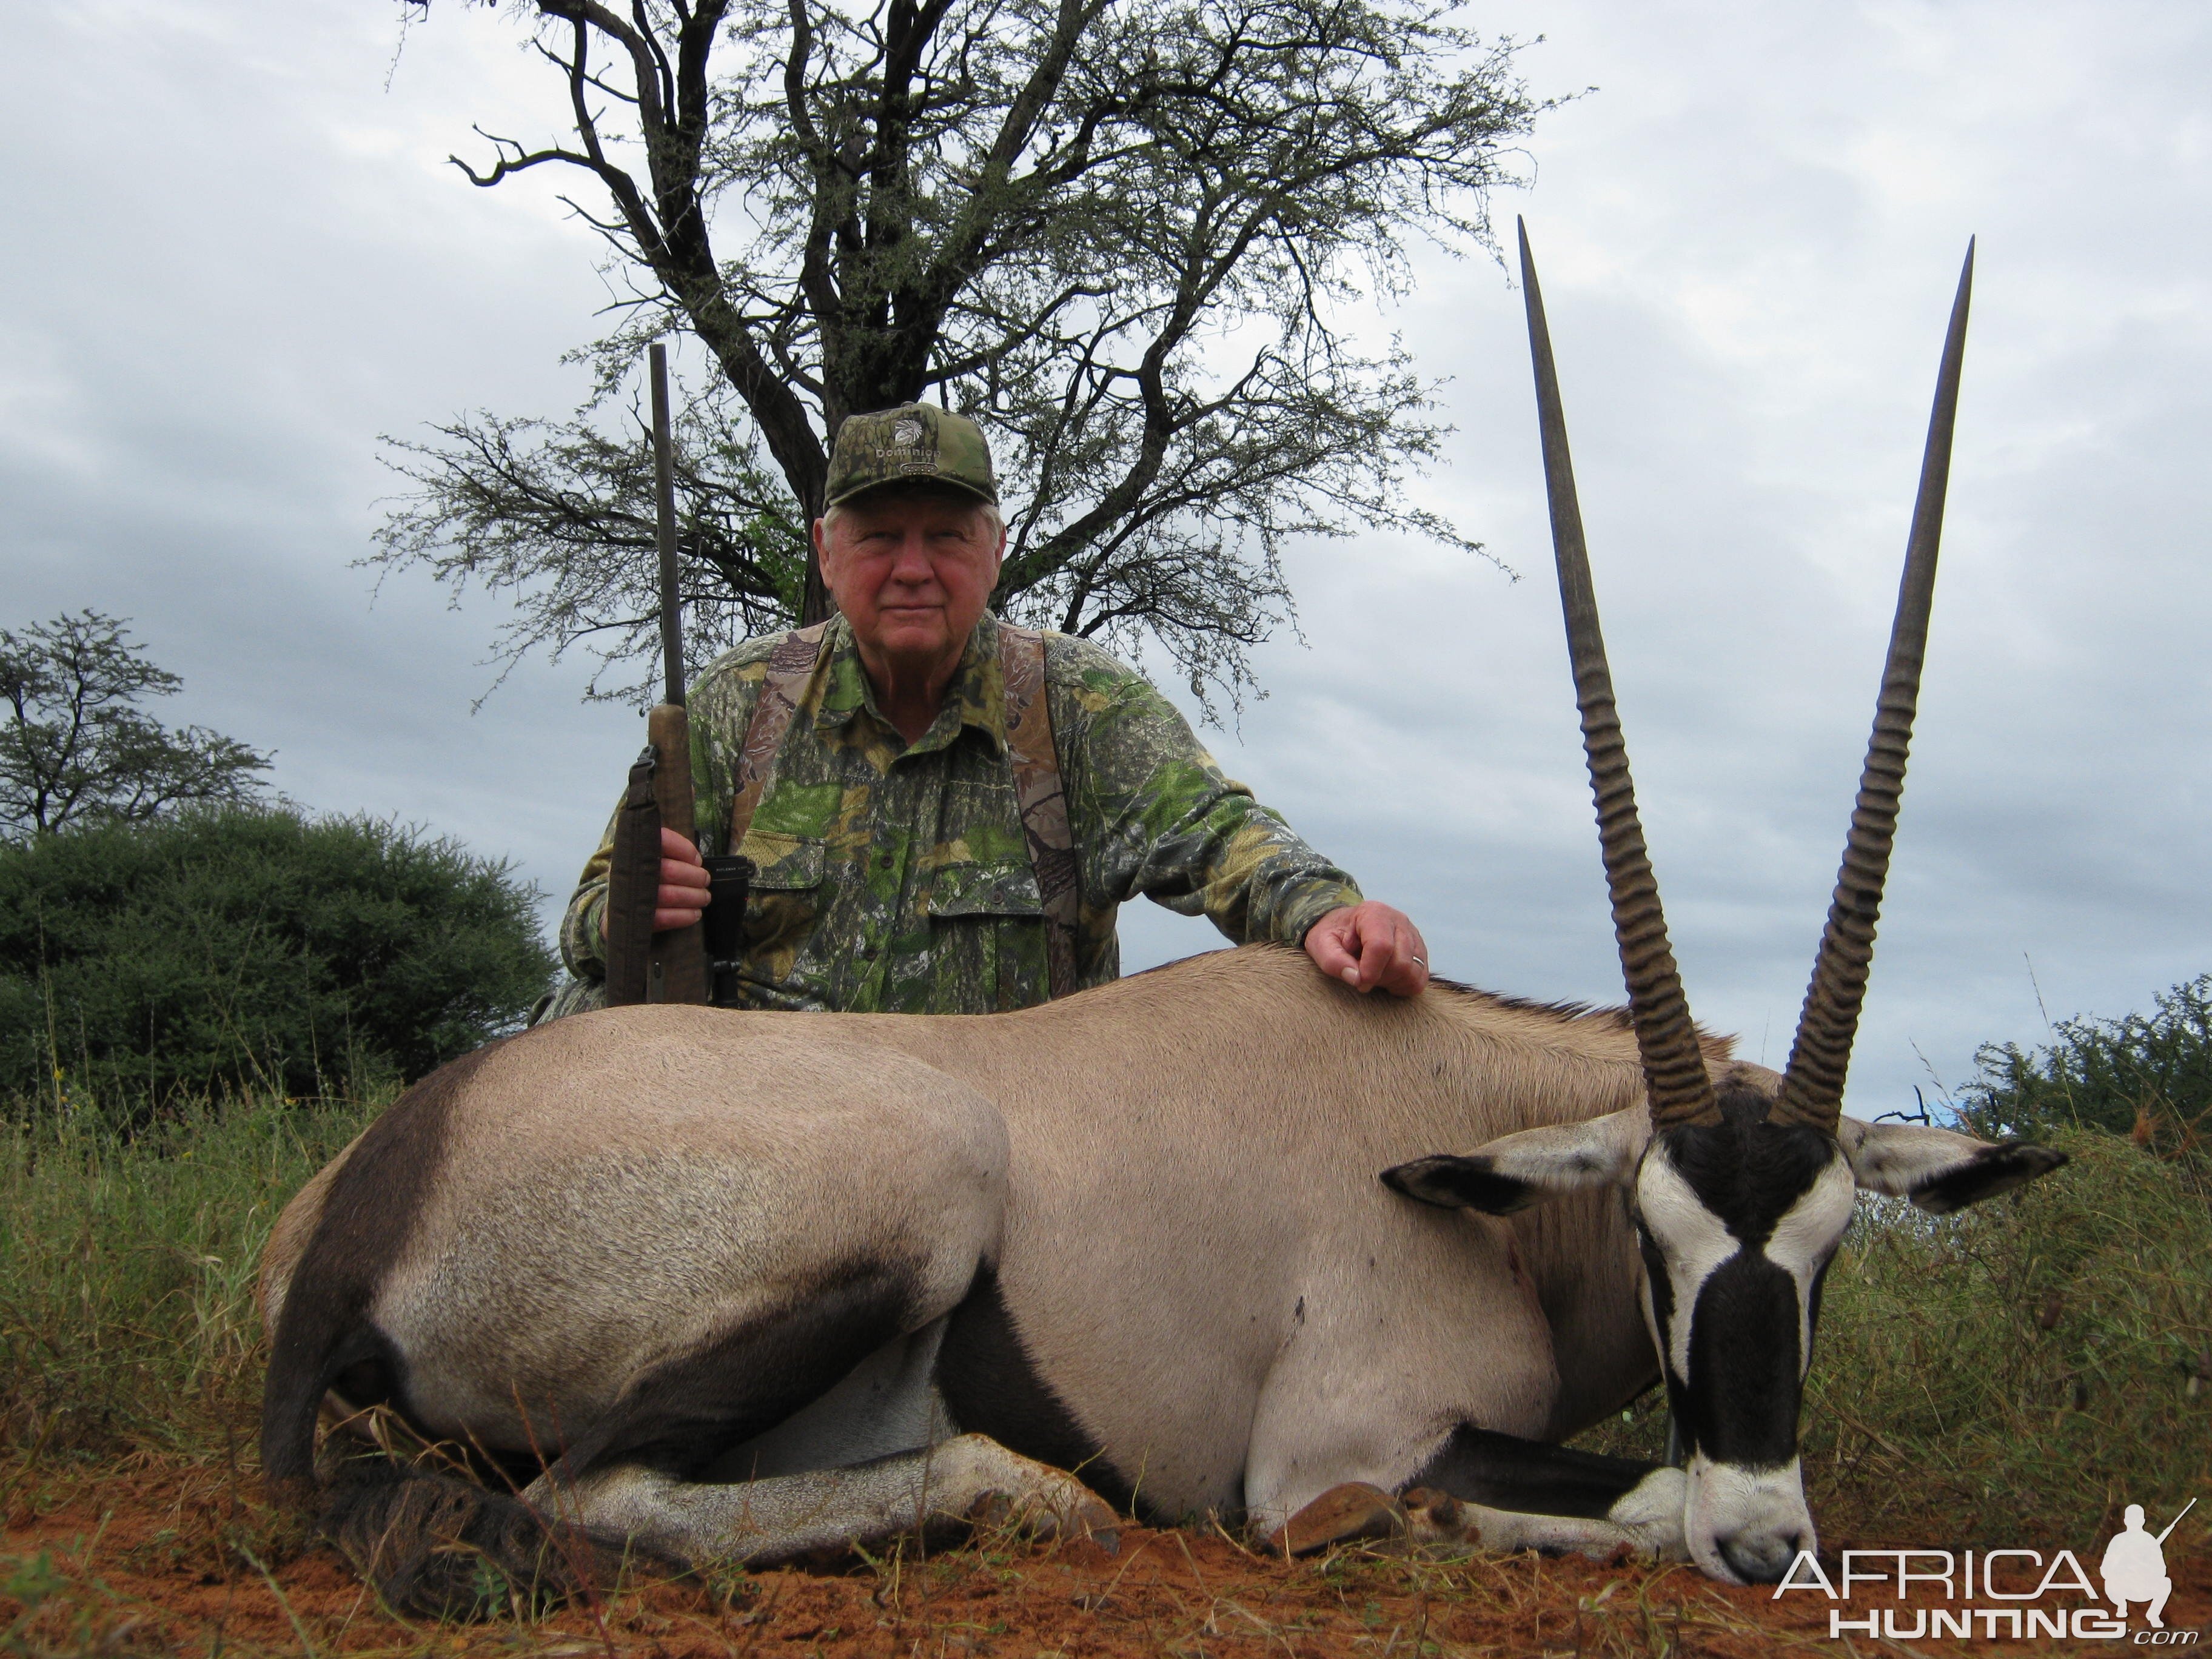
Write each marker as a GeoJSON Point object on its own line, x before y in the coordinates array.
{"type": "Point", "coordinates": [912, 571]}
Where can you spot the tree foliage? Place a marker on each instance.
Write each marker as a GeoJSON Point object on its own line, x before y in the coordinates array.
{"type": "Point", "coordinates": [252, 947]}
{"type": "Point", "coordinates": [78, 748]}
{"type": "Point", "coordinates": [2146, 1075]}
{"type": "Point", "coordinates": [1127, 235]}
{"type": "Point", "coordinates": [560, 516]}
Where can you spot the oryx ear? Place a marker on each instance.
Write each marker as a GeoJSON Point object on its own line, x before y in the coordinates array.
{"type": "Point", "coordinates": [1517, 1170]}
{"type": "Point", "coordinates": [1938, 1170]}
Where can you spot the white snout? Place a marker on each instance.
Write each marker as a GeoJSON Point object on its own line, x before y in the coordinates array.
{"type": "Point", "coordinates": [1745, 1526]}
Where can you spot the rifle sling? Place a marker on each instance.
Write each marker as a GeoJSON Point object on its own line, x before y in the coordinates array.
{"type": "Point", "coordinates": [790, 666]}
{"type": "Point", "coordinates": [1036, 760]}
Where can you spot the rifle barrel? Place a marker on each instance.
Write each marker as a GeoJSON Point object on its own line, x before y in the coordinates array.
{"type": "Point", "coordinates": [664, 480]}
{"type": "Point", "coordinates": [676, 966]}
{"type": "Point", "coordinates": [2176, 1522]}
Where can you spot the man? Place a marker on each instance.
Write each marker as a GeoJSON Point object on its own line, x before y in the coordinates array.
{"type": "Point", "coordinates": [869, 770]}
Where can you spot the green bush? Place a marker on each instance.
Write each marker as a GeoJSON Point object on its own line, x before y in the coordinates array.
{"type": "Point", "coordinates": [2028, 1367]}
{"type": "Point", "coordinates": [251, 947]}
{"type": "Point", "coordinates": [2144, 1074]}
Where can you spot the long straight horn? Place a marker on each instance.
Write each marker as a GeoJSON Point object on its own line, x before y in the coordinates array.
{"type": "Point", "coordinates": [1813, 1088]}
{"type": "Point", "coordinates": [1674, 1078]}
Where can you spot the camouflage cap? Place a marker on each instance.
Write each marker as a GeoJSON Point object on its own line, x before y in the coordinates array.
{"type": "Point", "coordinates": [915, 443]}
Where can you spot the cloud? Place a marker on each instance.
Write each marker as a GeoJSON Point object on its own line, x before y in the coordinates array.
{"type": "Point", "coordinates": [1748, 239]}
{"type": "Point", "coordinates": [254, 259]}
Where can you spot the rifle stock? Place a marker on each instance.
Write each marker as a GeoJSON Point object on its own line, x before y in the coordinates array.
{"type": "Point", "coordinates": [643, 966]}
{"type": "Point", "coordinates": [676, 962]}
{"type": "Point", "coordinates": [632, 886]}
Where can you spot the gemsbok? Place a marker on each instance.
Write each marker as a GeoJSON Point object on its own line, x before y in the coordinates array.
{"type": "Point", "coordinates": [716, 1286]}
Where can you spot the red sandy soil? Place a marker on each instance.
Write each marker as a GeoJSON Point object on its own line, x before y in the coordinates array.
{"type": "Point", "coordinates": [171, 1558]}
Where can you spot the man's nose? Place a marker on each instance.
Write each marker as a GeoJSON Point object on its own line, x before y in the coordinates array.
{"type": "Point", "coordinates": [911, 562]}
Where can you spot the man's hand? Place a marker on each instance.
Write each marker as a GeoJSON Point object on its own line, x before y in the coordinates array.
{"type": "Point", "coordinates": [1365, 945]}
{"type": "Point", "coordinates": [683, 896]}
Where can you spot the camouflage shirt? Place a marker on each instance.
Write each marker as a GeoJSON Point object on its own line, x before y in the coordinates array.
{"type": "Point", "coordinates": [895, 878]}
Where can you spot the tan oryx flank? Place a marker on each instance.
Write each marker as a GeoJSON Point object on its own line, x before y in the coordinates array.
{"type": "Point", "coordinates": [763, 1284]}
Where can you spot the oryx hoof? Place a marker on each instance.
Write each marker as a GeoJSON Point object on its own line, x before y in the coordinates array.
{"type": "Point", "coordinates": [1436, 1518]}
{"type": "Point", "coordinates": [1067, 1510]}
{"type": "Point", "coordinates": [1007, 1489]}
{"type": "Point", "coordinates": [1342, 1515]}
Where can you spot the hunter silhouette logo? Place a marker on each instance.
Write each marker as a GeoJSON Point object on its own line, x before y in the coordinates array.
{"type": "Point", "coordinates": [2134, 1568]}
{"type": "Point", "coordinates": [2000, 1595]}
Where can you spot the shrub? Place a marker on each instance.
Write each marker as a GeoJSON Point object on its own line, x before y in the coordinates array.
{"type": "Point", "coordinates": [252, 947]}
{"type": "Point", "coordinates": [2147, 1075]}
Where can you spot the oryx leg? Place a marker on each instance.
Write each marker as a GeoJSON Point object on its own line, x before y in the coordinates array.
{"type": "Point", "coordinates": [1502, 1493]}
{"type": "Point", "coordinates": [1507, 1494]}
{"type": "Point", "coordinates": [968, 1479]}
{"type": "Point", "coordinates": [872, 1459]}
{"type": "Point", "coordinates": [687, 1275]}
{"type": "Point", "coordinates": [1354, 1410]}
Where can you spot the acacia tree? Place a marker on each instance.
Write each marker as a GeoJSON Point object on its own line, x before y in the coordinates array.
{"type": "Point", "coordinates": [76, 748]}
{"type": "Point", "coordinates": [1124, 235]}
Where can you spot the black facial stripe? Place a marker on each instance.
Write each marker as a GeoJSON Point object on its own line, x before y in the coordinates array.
{"type": "Point", "coordinates": [1747, 1172]}
{"type": "Point", "coordinates": [1661, 1286]}
{"type": "Point", "coordinates": [1659, 1294]}
{"type": "Point", "coordinates": [1813, 1308]}
{"type": "Point", "coordinates": [1741, 1404]}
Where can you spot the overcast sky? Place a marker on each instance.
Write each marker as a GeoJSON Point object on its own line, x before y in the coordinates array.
{"type": "Point", "coordinates": [234, 256]}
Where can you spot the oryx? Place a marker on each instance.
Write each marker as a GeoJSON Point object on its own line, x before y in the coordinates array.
{"type": "Point", "coordinates": [754, 1284]}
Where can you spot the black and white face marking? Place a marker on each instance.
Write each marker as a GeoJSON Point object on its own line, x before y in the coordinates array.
{"type": "Point", "coordinates": [1737, 1222]}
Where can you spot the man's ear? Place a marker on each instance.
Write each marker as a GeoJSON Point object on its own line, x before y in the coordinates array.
{"type": "Point", "coordinates": [1938, 1170]}
{"type": "Point", "coordinates": [825, 557]}
{"type": "Point", "coordinates": [1517, 1170]}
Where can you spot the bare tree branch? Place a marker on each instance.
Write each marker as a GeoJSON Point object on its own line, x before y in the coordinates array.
{"type": "Point", "coordinates": [1137, 239]}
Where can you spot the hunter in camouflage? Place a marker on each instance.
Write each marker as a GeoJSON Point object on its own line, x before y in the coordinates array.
{"type": "Point", "coordinates": [893, 871]}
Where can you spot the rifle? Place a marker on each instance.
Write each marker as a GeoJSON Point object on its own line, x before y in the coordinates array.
{"type": "Point", "coordinates": [643, 966]}
{"type": "Point", "coordinates": [2176, 1522]}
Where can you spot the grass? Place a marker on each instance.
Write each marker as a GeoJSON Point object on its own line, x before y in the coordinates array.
{"type": "Point", "coordinates": [127, 1263]}
{"type": "Point", "coordinates": [2013, 1375]}
{"type": "Point", "coordinates": [2029, 1364]}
